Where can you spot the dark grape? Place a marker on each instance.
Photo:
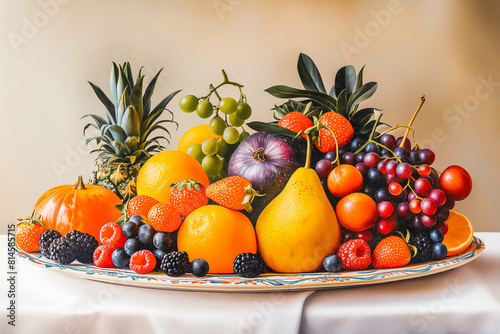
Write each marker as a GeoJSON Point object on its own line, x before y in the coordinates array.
{"type": "Point", "coordinates": [404, 210]}
{"type": "Point", "coordinates": [360, 157]}
{"type": "Point", "coordinates": [427, 156]}
{"type": "Point", "coordinates": [323, 168]}
{"type": "Point", "coordinates": [417, 223]}
{"type": "Point", "coordinates": [332, 155]}
{"type": "Point", "coordinates": [364, 235]}
{"type": "Point", "coordinates": [407, 144]}
{"type": "Point", "coordinates": [422, 186]}
{"type": "Point", "coordinates": [362, 168]}
{"type": "Point", "coordinates": [411, 196]}
{"type": "Point", "coordinates": [385, 153]}
{"type": "Point", "coordinates": [371, 159]}
{"type": "Point", "coordinates": [415, 158]}
{"type": "Point", "coordinates": [442, 215]}
{"type": "Point", "coordinates": [371, 147]}
{"type": "Point", "coordinates": [388, 141]}
{"type": "Point", "coordinates": [349, 158]}
{"type": "Point", "coordinates": [391, 167]}
{"type": "Point", "coordinates": [381, 166]}
{"type": "Point", "coordinates": [428, 220]}
{"type": "Point", "coordinates": [132, 245]}
{"type": "Point", "coordinates": [374, 177]}
{"type": "Point", "coordinates": [130, 229]}
{"type": "Point", "coordinates": [356, 144]}
{"type": "Point", "coordinates": [120, 258]}
{"type": "Point", "coordinates": [449, 204]}
{"type": "Point", "coordinates": [381, 195]}
{"type": "Point", "coordinates": [368, 190]}
{"type": "Point", "coordinates": [145, 234]}
{"type": "Point", "coordinates": [404, 170]}
{"type": "Point", "coordinates": [392, 178]}
{"type": "Point", "coordinates": [402, 154]}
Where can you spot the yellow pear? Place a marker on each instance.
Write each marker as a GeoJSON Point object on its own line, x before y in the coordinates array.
{"type": "Point", "coordinates": [299, 227]}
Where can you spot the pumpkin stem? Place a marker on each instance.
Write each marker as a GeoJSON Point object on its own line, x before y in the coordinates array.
{"type": "Point", "coordinates": [79, 184]}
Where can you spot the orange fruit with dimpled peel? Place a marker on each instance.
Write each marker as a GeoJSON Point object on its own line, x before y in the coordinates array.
{"type": "Point", "coordinates": [217, 235]}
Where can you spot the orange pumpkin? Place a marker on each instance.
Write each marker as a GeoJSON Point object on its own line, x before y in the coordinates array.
{"type": "Point", "coordinates": [85, 208]}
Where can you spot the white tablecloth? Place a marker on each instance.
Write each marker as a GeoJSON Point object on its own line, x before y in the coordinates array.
{"type": "Point", "coordinates": [463, 300]}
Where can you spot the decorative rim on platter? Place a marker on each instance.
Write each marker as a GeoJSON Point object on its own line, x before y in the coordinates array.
{"type": "Point", "coordinates": [264, 283]}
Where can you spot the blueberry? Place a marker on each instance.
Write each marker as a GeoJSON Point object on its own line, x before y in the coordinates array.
{"type": "Point", "coordinates": [437, 235]}
{"type": "Point", "coordinates": [145, 234]}
{"type": "Point", "coordinates": [120, 258]}
{"type": "Point", "coordinates": [164, 240]}
{"type": "Point", "coordinates": [199, 267]}
{"type": "Point", "coordinates": [138, 219]}
{"type": "Point", "coordinates": [132, 245]}
{"type": "Point", "coordinates": [439, 251]}
{"type": "Point", "coordinates": [332, 263]}
{"type": "Point", "coordinates": [159, 254]}
{"type": "Point", "coordinates": [130, 229]}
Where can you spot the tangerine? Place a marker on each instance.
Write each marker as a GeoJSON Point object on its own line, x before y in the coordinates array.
{"type": "Point", "coordinates": [344, 180]}
{"type": "Point", "coordinates": [217, 235]}
{"type": "Point", "coordinates": [195, 135]}
{"type": "Point", "coordinates": [460, 233]}
{"type": "Point", "coordinates": [165, 168]}
{"type": "Point", "coordinates": [357, 212]}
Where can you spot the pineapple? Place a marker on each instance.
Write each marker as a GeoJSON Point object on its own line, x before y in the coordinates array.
{"type": "Point", "coordinates": [125, 140]}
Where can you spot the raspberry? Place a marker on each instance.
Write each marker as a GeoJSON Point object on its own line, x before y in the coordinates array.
{"type": "Point", "coordinates": [140, 205]}
{"type": "Point", "coordinates": [143, 262]}
{"type": "Point", "coordinates": [111, 234]}
{"type": "Point", "coordinates": [164, 218]}
{"type": "Point", "coordinates": [355, 254]}
{"type": "Point", "coordinates": [103, 257]}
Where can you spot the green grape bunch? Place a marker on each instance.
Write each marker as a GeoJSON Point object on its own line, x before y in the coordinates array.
{"type": "Point", "coordinates": [226, 116]}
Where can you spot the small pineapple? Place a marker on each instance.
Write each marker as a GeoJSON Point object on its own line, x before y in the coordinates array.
{"type": "Point", "coordinates": [125, 142]}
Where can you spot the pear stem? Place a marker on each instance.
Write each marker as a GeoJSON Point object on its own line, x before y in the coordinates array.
{"type": "Point", "coordinates": [308, 155]}
{"type": "Point", "coordinates": [79, 185]}
{"type": "Point", "coordinates": [422, 100]}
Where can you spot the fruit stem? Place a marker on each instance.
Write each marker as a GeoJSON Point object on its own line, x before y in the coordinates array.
{"type": "Point", "coordinates": [422, 100]}
{"type": "Point", "coordinates": [79, 185]}
{"type": "Point", "coordinates": [258, 155]}
{"type": "Point", "coordinates": [371, 135]}
{"type": "Point", "coordinates": [215, 92]}
{"type": "Point", "coordinates": [308, 155]}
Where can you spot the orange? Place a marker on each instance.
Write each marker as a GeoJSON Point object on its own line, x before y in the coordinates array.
{"type": "Point", "coordinates": [344, 179]}
{"type": "Point", "coordinates": [357, 212]}
{"type": "Point", "coordinates": [217, 235]}
{"type": "Point", "coordinates": [195, 135]}
{"type": "Point", "coordinates": [166, 168]}
{"type": "Point", "coordinates": [460, 233]}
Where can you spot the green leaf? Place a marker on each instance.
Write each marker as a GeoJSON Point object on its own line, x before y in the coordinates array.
{"type": "Point", "coordinates": [117, 132]}
{"type": "Point", "coordinates": [357, 119]}
{"type": "Point", "coordinates": [359, 79]}
{"type": "Point", "coordinates": [136, 98]}
{"type": "Point", "coordinates": [165, 101]}
{"type": "Point", "coordinates": [146, 99]}
{"type": "Point", "coordinates": [121, 83]}
{"type": "Point", "coordinates": [99, 121]}
{"type": "Point", "coordinates": [139, 74]}
{"type": "Point", "coordinates": [286, 92]}
{"type": "Point", "coordinates": [345, 79]}
{"type": "Point", "coordinates": [131, 144]}
{"type": "Point", "coordinates": [128, 74]}
{"type": "Point", "coordinates": [124, 103]}
{"type": "Point", "coordinates": [309, 74]}
{"type": "Point", "coordinates": [156, 126]}
{"type": "Point", "coordinates": [130, 122]}
{"type": "Point", "coordinates": [113, 78]}
{"type": "Point", "coordinates": [119, 147]}
{"type": "Point", "coordinates": [271, 127]}
{"type": "Point", "coordinates": [110, 107]}
{"type": "Point", "coordinates": [365, 92]}
{"type": "Point", "coordinates": [342, 103]}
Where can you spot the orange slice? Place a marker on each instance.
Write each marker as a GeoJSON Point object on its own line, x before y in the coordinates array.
{"type": "Point", "coordinates": [460, 233]}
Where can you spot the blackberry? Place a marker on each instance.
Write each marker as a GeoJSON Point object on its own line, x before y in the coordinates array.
{"type": "Point", "coordinates": [423, 242]}
{"type": "Point", "coordinates": [175, 264]}
{"type": "Point", "coordinates": [249, 265]}
{"type": "Point", "coordinates": [84, 245]}
{"type": "Point", "coordinates": [62, 251]}
{"type": "Point", "coordinates": [46, 239]}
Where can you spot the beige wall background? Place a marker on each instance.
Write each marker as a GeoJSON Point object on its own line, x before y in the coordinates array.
{"type": "Point", "coordinates": [447, 50]}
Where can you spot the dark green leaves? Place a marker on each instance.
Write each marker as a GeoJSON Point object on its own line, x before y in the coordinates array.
{"type": "Point", "coordinates": [345, 80]}
{"type": "Point", "coordinates": [271, 127]}
{"type": "Point", "coordinates": [285, 92]}
{"type": "Point", "coordinates": [365, 92]}
{"type": "Point", "coordinates": [309, 74]}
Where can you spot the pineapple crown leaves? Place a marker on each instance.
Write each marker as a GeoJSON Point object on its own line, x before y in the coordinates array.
{"type": "Point", "coordinates": [130, 121]}
{"type": "Point", "coordinates": [31, 221]}
{"type": "Point", "coordinates": [344, 96]}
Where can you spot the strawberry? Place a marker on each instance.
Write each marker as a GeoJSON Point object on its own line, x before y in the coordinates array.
{"type": "Point", "coordinates": [233, 192]}
{"type": "Point", "coordinates": [140, 205]}
{"type": "Point", "coordinates": [142, 262]}
{"type": "Point", "coordinates": [355, 254]}
{"type": "Point", "coordinates": [296, 122]}
{"type": "Point", "coordinates": [103, 257]}
{"type": "Point", "coordinates": [187, 196]}
{"type": "Point", "coordinates": [28, 233]}
{"type": "Point", "coordinates": [340, 126]}
{"type": "Point", "coordinates": [391, 252]}
{"type": "Point", "coordinates": [111, 234]}
{"type": "Point", "coordinates": [164, 218]}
